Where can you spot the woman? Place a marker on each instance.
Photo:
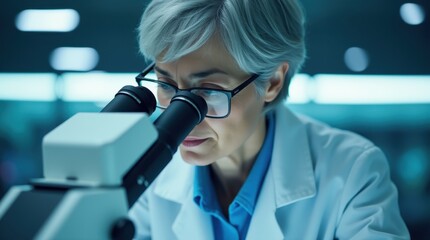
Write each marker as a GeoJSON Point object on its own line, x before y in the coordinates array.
{"type": "Point", "coordinates": [253, 169]}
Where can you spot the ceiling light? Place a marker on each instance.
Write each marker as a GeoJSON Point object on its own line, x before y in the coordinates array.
{"type": "Point", "coordinates": [412, 13]}
{"type": "Point", "coordinates": [47, 20]}
{"type": "Point", "coordinates": [74, 59]}
{"type": "Point", "coordinates": [356, 59]}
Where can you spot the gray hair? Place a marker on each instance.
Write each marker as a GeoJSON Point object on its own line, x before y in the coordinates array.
{"type": "Point", "coordinates": [259, 34]}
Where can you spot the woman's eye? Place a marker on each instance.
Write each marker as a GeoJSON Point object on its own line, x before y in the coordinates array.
{"type": "Point", "coordinates": [212, 86]}
{"type": "Point", "coordinates": [165, 80]}
{"type": "Point", "coordinates": [164, 87]}
{"type": "Point", "coordinates": [208, 93]}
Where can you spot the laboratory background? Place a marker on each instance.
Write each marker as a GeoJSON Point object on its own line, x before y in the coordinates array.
{"type": "Point", "coordinates": [367, 71]}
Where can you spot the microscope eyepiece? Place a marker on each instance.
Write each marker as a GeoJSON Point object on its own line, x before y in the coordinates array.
{"type": "Point", "coordinates": [132, 99]}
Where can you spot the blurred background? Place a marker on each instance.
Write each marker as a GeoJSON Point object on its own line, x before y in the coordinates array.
{"type": "Point", "coordinates": [368, 71]}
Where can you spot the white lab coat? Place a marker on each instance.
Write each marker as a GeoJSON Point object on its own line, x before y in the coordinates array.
{"type": "Point", "coordinates": [322, 183]}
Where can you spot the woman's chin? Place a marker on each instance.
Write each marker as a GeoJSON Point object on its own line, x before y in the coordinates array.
{"type": "Point", "coordinates": [194, 158]}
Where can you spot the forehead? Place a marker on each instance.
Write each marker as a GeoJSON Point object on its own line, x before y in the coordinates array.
{"type": "Point", "coordinates": [212, 55]}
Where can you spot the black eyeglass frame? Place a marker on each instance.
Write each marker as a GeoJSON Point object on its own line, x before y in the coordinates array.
{"type": "Point", "coordinates": [230, 93]}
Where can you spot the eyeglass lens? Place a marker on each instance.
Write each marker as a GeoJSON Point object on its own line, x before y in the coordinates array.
{"type": "Point", "coordinates": [217, 101]}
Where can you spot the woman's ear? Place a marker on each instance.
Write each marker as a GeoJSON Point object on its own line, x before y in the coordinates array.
{"type": "Point", "coordinates": [276, 83]}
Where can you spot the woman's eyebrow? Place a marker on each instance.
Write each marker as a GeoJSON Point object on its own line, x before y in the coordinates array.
{"type": "Point", "coordinates": [207, 73]}
{"type": "Point", "coordinates": [164, 72]}
{"type": "Point", "coordinates": [201, 74]}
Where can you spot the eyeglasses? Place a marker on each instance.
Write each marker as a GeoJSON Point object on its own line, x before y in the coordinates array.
{"type": "Point", "coordinates": [218, 101]}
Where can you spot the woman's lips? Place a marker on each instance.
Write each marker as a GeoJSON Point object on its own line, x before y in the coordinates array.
{"type": "Point", "coordinates": [192, 142]}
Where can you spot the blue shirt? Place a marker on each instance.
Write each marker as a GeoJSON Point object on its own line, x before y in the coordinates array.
{"type": "Point", "coordinates": [241, 209]}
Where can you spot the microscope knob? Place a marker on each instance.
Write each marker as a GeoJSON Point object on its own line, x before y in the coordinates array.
{"type": "Point", "coordinates": [123, 229]}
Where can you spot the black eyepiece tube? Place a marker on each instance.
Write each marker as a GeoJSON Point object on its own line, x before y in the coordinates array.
{"type": "Point", "coordinates": [132, 99]}
{"type": "Point", "coordinates": [185, 111]}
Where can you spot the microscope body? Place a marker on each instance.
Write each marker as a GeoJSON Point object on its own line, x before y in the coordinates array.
{"type": "Point", "coordinates": [81, 195]}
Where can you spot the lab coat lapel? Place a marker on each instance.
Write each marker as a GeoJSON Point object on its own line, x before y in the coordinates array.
{"type": "Point", "coordinates": [263, 223]}
{"type": "Point", "coordinates": [175, 184]}
{"type": "Point", "coordinates": [192, 223]}
{"type": "Point", "coordinates": [290, 177]}
{"type": "Point", "coordinates": [292, 166]}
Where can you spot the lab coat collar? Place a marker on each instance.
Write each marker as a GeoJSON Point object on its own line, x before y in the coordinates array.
{"type": "Point", "coordinates": [290, 178]}
{"type": "Point", "coordinates": [175, 184]}
{"type": "Point", "coordinates": [176, 180]}
{"type": "Point", "coordinates": [292, 169]}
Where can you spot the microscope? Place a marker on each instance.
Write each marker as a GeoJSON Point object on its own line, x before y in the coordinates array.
{"type": "Point", "coordinates": [95, 167]}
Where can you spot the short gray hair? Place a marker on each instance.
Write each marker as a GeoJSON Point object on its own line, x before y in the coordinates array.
{"type": "Point", "coordinates": [259, 34]}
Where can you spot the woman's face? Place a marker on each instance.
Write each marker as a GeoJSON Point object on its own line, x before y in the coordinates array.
{"type": "Point", "coordinates": [237, 136]}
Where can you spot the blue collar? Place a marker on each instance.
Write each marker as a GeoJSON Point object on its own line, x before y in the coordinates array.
{"type": "Point", "coordinates": [204, 192]}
